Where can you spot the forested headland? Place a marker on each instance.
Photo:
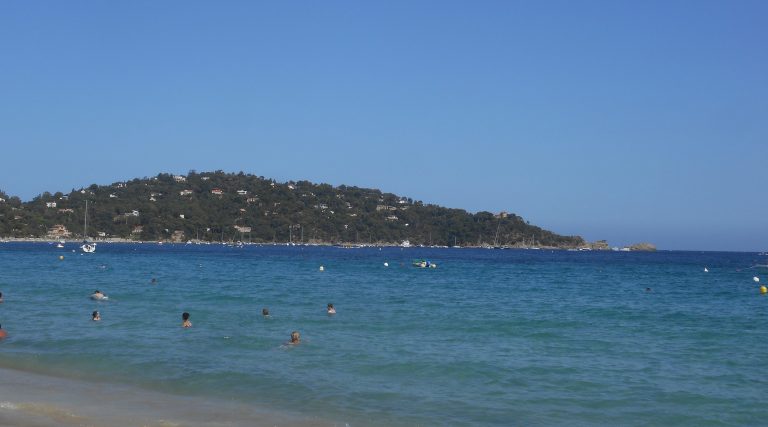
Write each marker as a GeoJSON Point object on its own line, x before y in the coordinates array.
{"type": "Point", "coordinates": [219, 206]}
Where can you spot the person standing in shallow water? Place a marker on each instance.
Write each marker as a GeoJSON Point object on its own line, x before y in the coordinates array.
{"type": "Point", "coordinates": [185, 320]}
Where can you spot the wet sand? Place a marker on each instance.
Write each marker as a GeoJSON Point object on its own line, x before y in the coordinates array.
{"type": "Point", "coordinates": [33, 400]}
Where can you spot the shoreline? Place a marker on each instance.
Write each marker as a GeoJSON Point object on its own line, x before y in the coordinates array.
{"type": "Point", "coordinates": [31, 399]}
{"type": "Point", "coordinates": [317, 243]}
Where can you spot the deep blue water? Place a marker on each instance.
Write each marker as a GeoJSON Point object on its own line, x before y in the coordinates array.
{"type": "Point", "coordinates": [491, 337]}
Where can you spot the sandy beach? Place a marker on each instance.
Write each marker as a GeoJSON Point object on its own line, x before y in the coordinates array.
{"type": "Point", "coordinates": [33, 400]}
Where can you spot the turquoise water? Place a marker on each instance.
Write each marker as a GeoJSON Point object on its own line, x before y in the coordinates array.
{"type": "Point", "coordinates": [491, 337]}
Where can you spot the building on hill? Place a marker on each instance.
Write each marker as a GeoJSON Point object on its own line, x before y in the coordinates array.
{"type": "Point", "coordinates": [58, 231]}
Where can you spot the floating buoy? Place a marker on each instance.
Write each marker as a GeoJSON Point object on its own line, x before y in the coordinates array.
{"type": "Point", "coordinates": [322, 268]}
{"type": "Point", "coordinates": [763, 289]}
{"type": "Point", "coordinates": [756, 279]}
{"type": "Point", "coordinates": [61, 257]}
{"type": "Point", "coordinates": [705, 270]}
{"type": "Point", "coordinates": [386, 264]}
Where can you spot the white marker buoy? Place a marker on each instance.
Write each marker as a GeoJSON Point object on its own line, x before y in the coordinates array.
{"type": "Point", "coordinates": [386, 264]}
{"type": "Point", "coordinates": [322, 268]}
{"type": "Point", "coordinates": [756, 279]}
{"type": "Point", "coordinates": [705, 270]}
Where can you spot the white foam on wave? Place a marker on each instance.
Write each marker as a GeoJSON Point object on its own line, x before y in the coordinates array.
{"type": "Point", "coordinates": [9, 405]}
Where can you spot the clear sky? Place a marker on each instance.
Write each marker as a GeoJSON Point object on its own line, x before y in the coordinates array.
{"type": "Point", "coordinates": [628, 121]}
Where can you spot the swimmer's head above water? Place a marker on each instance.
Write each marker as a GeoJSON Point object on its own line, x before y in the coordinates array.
{"type": "Point", "coordinates": [295, 337]}
{"type": "Point", "coordinates": [185, 320]}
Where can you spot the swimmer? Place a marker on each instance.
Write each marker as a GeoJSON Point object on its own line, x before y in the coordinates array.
{"type": "Point", "coordinates": [95, 316]}
{"type": "Point", "coordinates": [265, 312]}
{"type": "Point", "coordinates": [647, 289]}
{"type": "Point", "coordinates": [153, 281]}
{"type": "Point", "coordinates": [186, 323]}
{"type": "Point", "coordinates": [1, 297]}
{"type": "Point", "coordinates": [98, 295]}
{"type": "Point", "coordinates": [3, 334]}
{"type": "Point", "coordinates": [295, 338]}
{"type": "Point", "coordinates": [331, 310]}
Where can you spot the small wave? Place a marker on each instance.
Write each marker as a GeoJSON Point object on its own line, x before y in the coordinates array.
{"type": "Point", "coordinates": [53, 412]}
{"type": "Point", "coordinates": [9, 405]}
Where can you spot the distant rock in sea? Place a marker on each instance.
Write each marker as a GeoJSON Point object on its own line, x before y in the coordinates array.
{"type": "Point", "coordinates": [647, 247]}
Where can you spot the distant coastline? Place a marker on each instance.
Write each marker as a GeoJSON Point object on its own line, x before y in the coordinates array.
{"type": "Point", "coordinates": [639, 247]}
{"type": "Point", "coordinates": [219, 206]}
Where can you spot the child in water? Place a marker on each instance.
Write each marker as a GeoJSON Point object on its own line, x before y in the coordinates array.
{"type": "Point", "coordinates": [185, 320]}
{"type": "Point", "coordinates": [331, 310]}
{"type": "Point", "coordinates": [95, 316]}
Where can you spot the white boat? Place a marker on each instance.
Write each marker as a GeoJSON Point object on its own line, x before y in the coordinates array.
{"type": "Point", "coordinates": [87, 247]}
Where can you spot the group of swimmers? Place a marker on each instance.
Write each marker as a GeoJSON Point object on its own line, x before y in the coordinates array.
{"type": "Point", "coordinates": [97, 295]}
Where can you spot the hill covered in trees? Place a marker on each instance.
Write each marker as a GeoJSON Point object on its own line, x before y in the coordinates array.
{"type": "Point", "coordinates": [218, 206]}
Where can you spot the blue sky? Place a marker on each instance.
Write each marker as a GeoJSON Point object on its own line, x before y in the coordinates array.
{"type": "Point", "coordinates": [626, 121]}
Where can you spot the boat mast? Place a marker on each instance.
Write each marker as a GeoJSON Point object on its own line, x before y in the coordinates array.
{"type": "Point", "coordinates": [85, 224]}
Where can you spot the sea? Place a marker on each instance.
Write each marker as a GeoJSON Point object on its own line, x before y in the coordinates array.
{"type": "Point", "coordinates": [490, 337]}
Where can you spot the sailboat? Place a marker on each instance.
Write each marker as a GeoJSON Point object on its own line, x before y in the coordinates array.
{"type": "Point", "coordinates": [88, 248]}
